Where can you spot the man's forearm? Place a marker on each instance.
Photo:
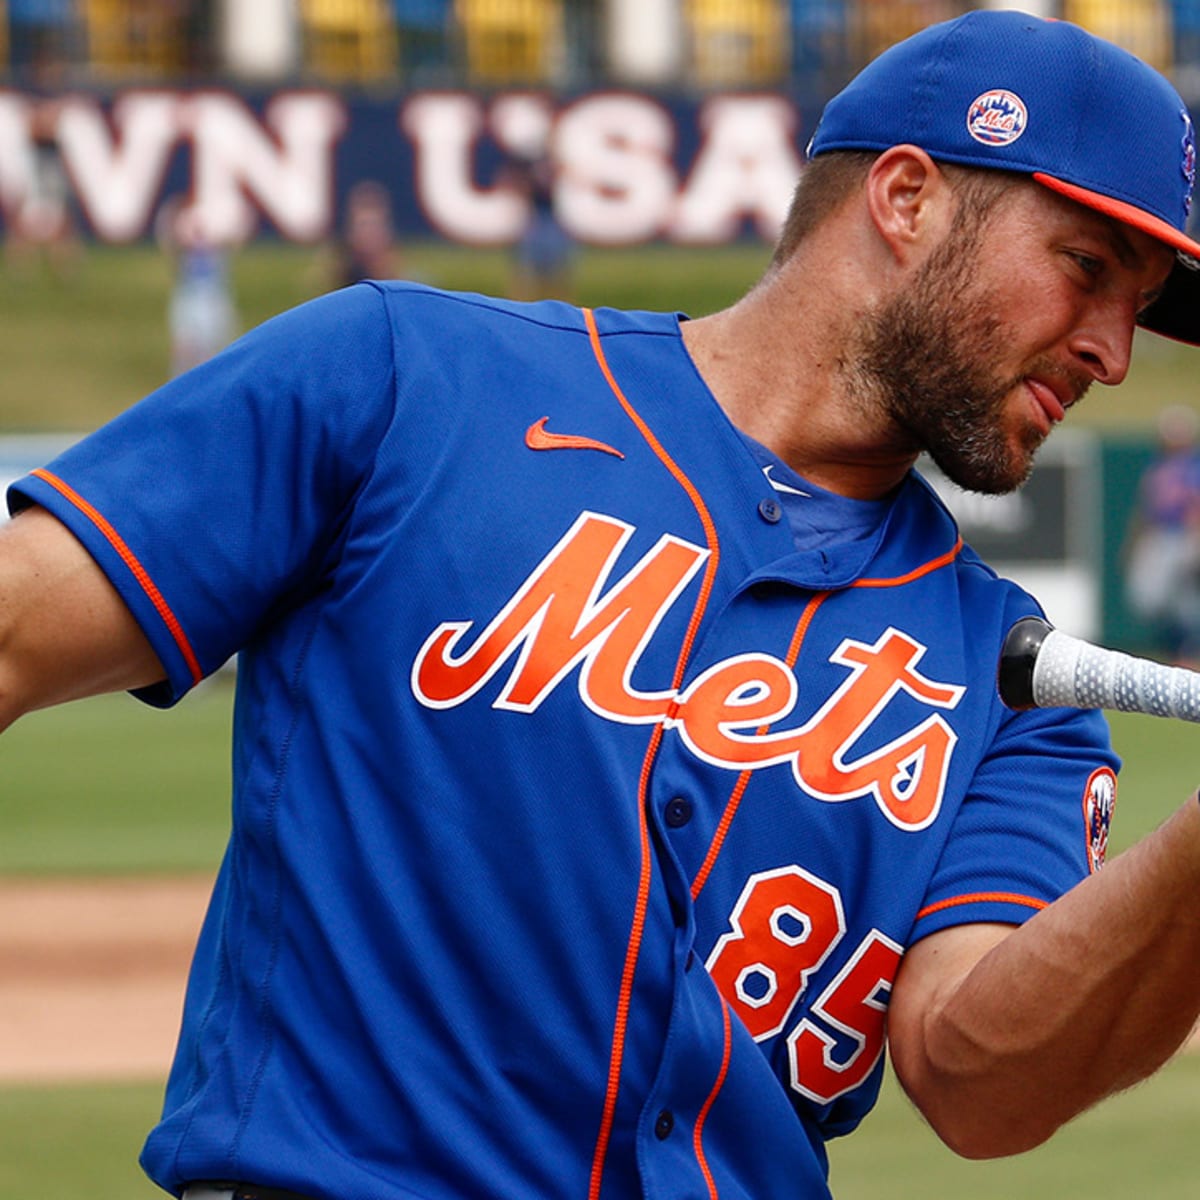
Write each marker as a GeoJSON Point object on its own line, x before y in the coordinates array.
{"type": "Point", "coordinates": [1000, 1046]}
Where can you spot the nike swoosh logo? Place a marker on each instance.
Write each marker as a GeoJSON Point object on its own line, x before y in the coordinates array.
{"type": "Point", "coordinates": [538, 437]}
{"type": "Point", "coordinates": [782, 487]}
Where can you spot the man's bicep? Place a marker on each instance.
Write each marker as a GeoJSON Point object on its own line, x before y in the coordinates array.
{"type": "Point", "coordinates": [65, 632]}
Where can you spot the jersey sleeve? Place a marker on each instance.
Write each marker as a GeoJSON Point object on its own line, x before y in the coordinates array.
{"type": "Point", "coordinates": [223, 495]}
{"type": "Point", "coordinates": [1033, 824]}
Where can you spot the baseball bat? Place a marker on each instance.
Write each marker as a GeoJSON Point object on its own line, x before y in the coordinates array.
{"type": "Point", "coordinates": [1042, 667]}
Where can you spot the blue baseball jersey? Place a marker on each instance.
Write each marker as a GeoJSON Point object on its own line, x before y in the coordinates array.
{"type": "Point", "coordinates": [580, 820]}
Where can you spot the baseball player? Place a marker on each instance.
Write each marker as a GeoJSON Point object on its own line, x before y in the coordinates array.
{"type": "Point", "coordinates": [617, 758]}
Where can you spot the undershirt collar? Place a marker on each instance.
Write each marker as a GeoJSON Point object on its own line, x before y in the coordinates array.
{"type": "Point", "coordinates": [818, 518]}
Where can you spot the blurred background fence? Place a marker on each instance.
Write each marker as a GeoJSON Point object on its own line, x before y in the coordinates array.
{"type": "Point", "coordinates": [568, 44]}
{"type": "Point", "coordinates": [265, 114]}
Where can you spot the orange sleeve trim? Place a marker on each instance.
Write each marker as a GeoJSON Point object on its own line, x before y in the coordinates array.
{"type": "Point", "coordinates": [982, 898]}
{"type": "Point", "coordinates": [641, 904]}
{"type": "Point", "coordinates": [130, 559]}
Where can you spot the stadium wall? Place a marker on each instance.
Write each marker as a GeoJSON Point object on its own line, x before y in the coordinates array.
{"type": "Point", "coordinates": [632, 166]}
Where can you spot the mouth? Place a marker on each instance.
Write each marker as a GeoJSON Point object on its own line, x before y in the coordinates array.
{"type": "Point", "coordinates": [1047, 400]}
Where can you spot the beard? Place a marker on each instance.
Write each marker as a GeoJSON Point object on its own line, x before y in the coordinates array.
{"type": "Point", "coordinates": [924, 358]}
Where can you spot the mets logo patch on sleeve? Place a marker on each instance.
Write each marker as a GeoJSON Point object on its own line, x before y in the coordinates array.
{"type": "Point", "coordinates": [1099, 800]}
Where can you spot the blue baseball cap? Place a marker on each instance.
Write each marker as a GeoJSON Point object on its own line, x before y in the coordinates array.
{"type": "Point", "coordinates": [1013, 92]}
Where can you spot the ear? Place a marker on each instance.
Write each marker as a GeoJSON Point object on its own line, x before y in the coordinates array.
{"type": "Point", "coordinates": [909, 200]}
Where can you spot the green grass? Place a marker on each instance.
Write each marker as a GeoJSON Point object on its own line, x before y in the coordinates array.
{"type": "Point", "coordinates": [109, 786]}
{"type": "Point", "coordinates": [1161, 769]}
{"type": "Point", "coordinates": [78, 1143]}
{"type": "Point", "coordinates": [1142, 1143]}
{"type": "Point", "coordinates": [82, 1142]}
{"type": "Point", "coordinates": [106, 785]}
{"type": "Point", "coordinates": [77, 351]}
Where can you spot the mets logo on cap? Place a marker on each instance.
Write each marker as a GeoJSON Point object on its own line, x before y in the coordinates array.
{"type": "Point", "coordinates": [997, 117]}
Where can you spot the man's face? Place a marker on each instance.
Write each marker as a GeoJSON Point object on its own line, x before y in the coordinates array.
{"type": "Point", "coordinates": [1004, 326]}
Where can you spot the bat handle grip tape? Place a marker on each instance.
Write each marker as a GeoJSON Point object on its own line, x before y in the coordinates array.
{"type": "Point", "coordinates": [1073, 672]}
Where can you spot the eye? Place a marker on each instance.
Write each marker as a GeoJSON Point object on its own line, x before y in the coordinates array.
{"type": "Point", "coordinates": [1089, 264]}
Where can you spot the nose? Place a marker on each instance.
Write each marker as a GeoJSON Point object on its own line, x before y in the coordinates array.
{"type": "Point", "coordinates": [1103, 342]}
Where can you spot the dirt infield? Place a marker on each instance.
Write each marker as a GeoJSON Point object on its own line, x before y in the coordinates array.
{"type": "Point", "coordinates": [92, 976]}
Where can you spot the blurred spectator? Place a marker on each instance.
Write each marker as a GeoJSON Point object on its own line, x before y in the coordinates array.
{"type": "Point", "coordinates": [40, 39]}
{"type": "Point", "coordinates": [544, 254]}
{"type": "Point", "coordinates": [43, 220]}
{"type": "Point", "coordinates": [367, 247]}
{"type": "Point", "coordinates": [201, 314]}
{"type": "Point", "coordinates": [1162, 550]}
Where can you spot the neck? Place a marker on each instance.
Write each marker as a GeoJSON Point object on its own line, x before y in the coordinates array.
{"type": "Point", "coordinates": [780, 363]}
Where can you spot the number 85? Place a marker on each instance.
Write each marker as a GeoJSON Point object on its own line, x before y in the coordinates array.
{"type": "Point", "coordinates": [784, 926]}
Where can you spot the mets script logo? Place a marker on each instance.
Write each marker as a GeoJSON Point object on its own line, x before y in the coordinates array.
{"type": "Point", "coordinates": [562, 618]}
{"type": "Point", "coordinates": [997, 118]}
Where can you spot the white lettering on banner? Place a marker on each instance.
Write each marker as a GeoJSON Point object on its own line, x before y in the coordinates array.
{"type": "Point", "coordinates": [239, 169]}
{"type": "Point", "coordinates": [617, 184]}
{"type": "Point", "coordinates": [117, 167]}
{"type": "Point", "coordinates": [16, 159]}
{"type": "Point", "coordinates": [288, 172]}
{"type": "Point", "coordinates": [618, 180]}
{"type": "Point", "coordinates": [523, 123]}
{"type": "Point", "coordinates": [747, 167]}
{"type": "Point", "coordinates": [444, 128]}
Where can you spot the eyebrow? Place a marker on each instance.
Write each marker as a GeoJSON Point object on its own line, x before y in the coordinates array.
{"type": "Point", "coordinates": [1129, 258]}
{"type": "Point", "coordinates": [1122, 247]}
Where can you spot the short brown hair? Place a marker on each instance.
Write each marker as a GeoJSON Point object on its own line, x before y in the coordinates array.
{"type": "Point", "coordinates": [824, 185]}
{"type": "Point", "coordinates": [828, 180]}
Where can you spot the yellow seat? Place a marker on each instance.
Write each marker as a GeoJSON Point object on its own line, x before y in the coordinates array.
{"type": "Point", "coordinates": [135, 37]}
{"type": "Point", "coordinates": [511, 41]}
{"type": "Point", "coordinates": [877, 24]}
{"type": "Point", "coordinates": [1143, 27]}
{"type": "Point", "coordinates": [348, 40]}
{"type": "Point", "coordinates": [737, 42]}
